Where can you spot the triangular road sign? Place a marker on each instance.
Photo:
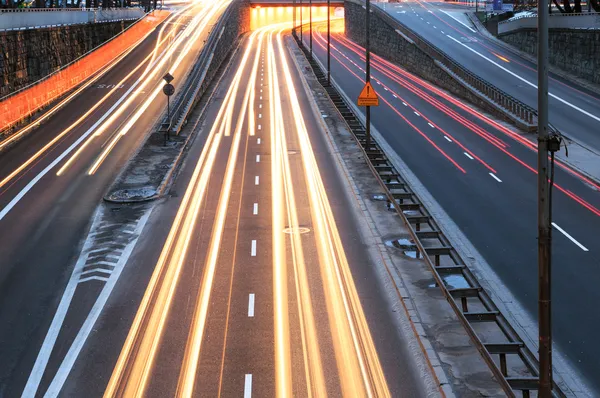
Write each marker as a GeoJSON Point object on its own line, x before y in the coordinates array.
{"type": "Point", "coordinates": [368, 96]}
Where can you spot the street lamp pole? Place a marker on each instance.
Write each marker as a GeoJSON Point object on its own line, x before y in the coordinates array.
{"type": "Point", "coordinates": [294, 20]}
{"type": "Point", "coordinates": [368, 70]}
{"type": "Point", "coordinates": [544, 210]}
{"type": "Point", "coordinates": [310, 23]}
{"type": "Point", "coordinates": [301, 20]}
{"type": "Point", "coordinates": [329, 42]}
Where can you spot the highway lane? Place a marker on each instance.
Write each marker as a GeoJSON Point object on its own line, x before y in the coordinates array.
{"type": "Point", "coordinates": [573, 109]}
{"type": "Point", "coordinates": [44, 214]}
{"type": "Point", "coordinates": [483, 175]}
{"type": "Point", "coordinates": [261, 286]}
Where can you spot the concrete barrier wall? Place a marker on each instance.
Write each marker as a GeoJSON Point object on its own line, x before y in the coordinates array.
{"type": "Point", "coordinates": [576, 51]}
{"type": "Point", "coordinates": [556, 21]}
{"type": "Point", "coordinates": [31, 19]}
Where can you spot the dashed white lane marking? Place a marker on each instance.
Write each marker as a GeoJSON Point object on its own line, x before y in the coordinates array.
{"type": "Point", "coordinates": [434, 27]}
{"type": "Point", "coordinates": [253, 249]}
{"type": "Point", "coordinates": [248, 386]}
{"type": "Point", "coordinates": [260, 106]}
{"type": "Point", "coordinates": [404, 103]}
{"type": "Point", "coordinates": [416, 113]}
{"type": "Point", "coordinates": [447, 139]}
{"type": "Point", "coordinates": [469, 156]}
{"type": "Point", "coordinates": [257, 158]}
{"type": "Point", "coordinates": [582, 247]}
{"type": "Point", "coordinates": [251, 305]}
{"type": "Point", "coordinates": [528, 82]}
{"type": "Point", "coordinates": [259, 127]}
{"type": "Point", "coordinates": [258, 141]}
{"type": "Point", "coordinates": [394, 95]}
{"type": "Point", "coordinates": [495, 178]}
{"type": "Point", "coordinates": [261, 97]}
{"type": "Point", "coordinates": [460, 22]}
{"type": "Point", "coordinates": [442, 32]}
{"type": "Point", "coordinates": [255, 209]}
{"type": "Point", "coordinates": [431, 125]}
{"type": "Point", "coordinates": [256, 180]}
{"type": "Point", "coordinates": [428, 23]}
{"type": "Point", "coordinates": [260, 115]}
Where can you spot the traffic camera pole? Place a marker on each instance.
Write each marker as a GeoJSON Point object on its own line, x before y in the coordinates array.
{"type": "Point", "coordinates": [544, 211]}
{"type": "Point", "coordinates": [368, 71]}
{"type": "Point", "coordinates": [329, 42]}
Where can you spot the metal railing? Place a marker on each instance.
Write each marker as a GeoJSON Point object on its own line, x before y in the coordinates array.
{"type": "Point", "coordinates": [513, 364]}
{"type": "Point", "coordinates": [586, 20]}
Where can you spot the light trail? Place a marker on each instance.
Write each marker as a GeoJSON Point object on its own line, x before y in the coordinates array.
{"type": "Point", "coordinates": [130, 376]}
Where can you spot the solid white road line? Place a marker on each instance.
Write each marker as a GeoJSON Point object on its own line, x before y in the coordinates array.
{"type": "Point", "coordinates": [556, 97]}
{"type": "Point", "coordinates": [448, 139]}
{"type": "Point", "coordinates": [257, 158]}
{"type": "Point", "coordinates": [469, 156]}
{"type": "Point", "coordinates": [431, 125]}
{"type": "Point", "coordinates": [255, 209]}
{"type": "Point", "coordinates": [248, 386]}
{"type": "Point", "coordinates": [253, 248]}
{"type": "Point", "coordinates": [251, 305]}
{"type": "Point", "coordinates": [495, 178]}
{"type": "Point", "coordinates": [582, 247]}
{"type": "Point", "coordinates": [460, 22]}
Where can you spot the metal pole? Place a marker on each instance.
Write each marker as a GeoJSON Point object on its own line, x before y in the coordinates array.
{"type": "Point", "coordinates": [544, 221]}
{"type": "Point", "coordinates": [301, 20]}
{"type": "Point", "coordinates": [310, 24]}
{"type": "Point", "coordinates": [329, 42]}
{"type": "Point", "coordinates": [294, 20]}
{"type": "Point", "coordinates": [368, 70]}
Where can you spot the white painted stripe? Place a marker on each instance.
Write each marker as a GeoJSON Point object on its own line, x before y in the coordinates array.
{"type": "Point", "coordinates": [260, 106]}
{"type": "Point", "coordinates": [528, 82]}
{"type": "Point", "coordinates": [257, 158]}
{"type": "Point", "coordinates": [259, 127]}
{"type": "Point", "coordinates": [256, 179]}
{"type": "Point", "coordinates": [582, 247]}
{"type": "Point", "coordinates": [258, 141]}
{"type": "Point", "coordinates": [460, 22]}
{"type": "Point", "coordinates": [253, 248]}
{"type": "Point", "coordinates": [469, 156]}
{"type": "Point", "coordinates": [248, 386]}
{"type": "Point", "coordinates": [447, 139]}
{"type": "Point", "coordinates": [261, 97]}
{"type": "Point", "coordinates": [394, 95]}
{"type": "Point", "coordinates": [255, 209]}
{"type": "Point", "coordinates": [404, 103]}
{"type": "Point", "coordinates": [431, 125]}
{"type": "Point", "coordinates": [251, 305]}
{"type": "Point", "coordinates": [495, 178]}
{"type": "Point", "coordinates": [417, 114]}
{"type": "Point", "coordinates": [442, 32]}
{"type": "Point", "coordinates": [260, 115]}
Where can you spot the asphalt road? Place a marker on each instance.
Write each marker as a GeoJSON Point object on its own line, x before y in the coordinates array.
{"type": "Point", "coordinates": [573, 109]}
{"type": "Point", "coordinates": [483, 175]}
{"type": "Point", "coordinates": [251, 277]}
{"type": "Point", "coordinates": [53, 179]}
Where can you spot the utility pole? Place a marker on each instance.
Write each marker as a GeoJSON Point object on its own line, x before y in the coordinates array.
{"type": "Point", "coordinates": [329, 42]}
{"type": "Point", "coordinates": [310, 24]}
{"type": "Point", "coordinates": [368, 70]}
{"type": "Point", "coordinates": [544, 211]}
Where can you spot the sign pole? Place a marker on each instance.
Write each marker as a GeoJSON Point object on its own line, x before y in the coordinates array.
{"type": "Point", "coordinates": [544, 211]}
{"type": "Point", "coordinates": [329, 42]}
{"type": "Point", "coordinates": [368, 71]}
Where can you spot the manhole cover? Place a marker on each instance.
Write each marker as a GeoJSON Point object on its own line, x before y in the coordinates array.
{"type": "Point", "coordinates": [301, 230]}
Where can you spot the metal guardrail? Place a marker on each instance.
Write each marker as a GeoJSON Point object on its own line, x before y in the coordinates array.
{"type": "Point", "coordinates": [473, 306]}
{"type": "Point", "coordinates": [186, 98]}
{"type": "Point", "coordinates": [502, 99]}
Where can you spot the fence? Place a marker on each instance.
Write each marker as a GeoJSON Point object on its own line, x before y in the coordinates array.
{"type": "Point", "coordinates": [48, 17]}
{"type": "Point", "coordinates": [27, 101]}
{"type": "Point", "coordinates": [556, 21]}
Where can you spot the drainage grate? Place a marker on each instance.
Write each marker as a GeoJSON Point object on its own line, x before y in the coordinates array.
{"type": "Point", "coordinates": [476, 310]}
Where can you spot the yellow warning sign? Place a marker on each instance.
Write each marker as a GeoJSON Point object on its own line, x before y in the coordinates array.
{"type": "Point", "coordinates": [368, 96]}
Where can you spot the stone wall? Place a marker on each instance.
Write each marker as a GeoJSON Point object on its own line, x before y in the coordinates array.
{"type": "Point", "coordinates": [575, 51]}
{"type": "Point", "coordinates": [389, 44]}
{"type": "Point", "coordinates": [29, 55]}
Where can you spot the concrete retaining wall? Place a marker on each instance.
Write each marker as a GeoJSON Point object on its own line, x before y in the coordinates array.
{"type": "Point", "coordinates": [29, 55]}
{"type": "Point", "coordinates": [32, 19]}
{"type": "Point", "coordinates": [575, 51]}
